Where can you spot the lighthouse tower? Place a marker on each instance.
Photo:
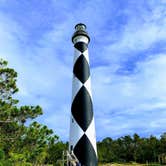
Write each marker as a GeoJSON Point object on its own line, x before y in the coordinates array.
{"type": "Point", "coordinates": [82, 128]}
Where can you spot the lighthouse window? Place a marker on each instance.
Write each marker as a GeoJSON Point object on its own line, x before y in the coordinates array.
{"type": "Point", "coordinates": [72, 120]}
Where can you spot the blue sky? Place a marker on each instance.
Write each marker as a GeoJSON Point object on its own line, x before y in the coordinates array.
{"type": "Point", "coordinates": [127, 58]}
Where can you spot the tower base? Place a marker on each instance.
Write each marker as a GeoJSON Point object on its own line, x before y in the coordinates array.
{"type": "Point", "coordinates": [68, 159]}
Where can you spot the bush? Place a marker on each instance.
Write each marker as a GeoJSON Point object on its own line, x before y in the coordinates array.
{"type": "Point", "coordinates": [2, 154]}
{"type": "Point", "coordinates": [5, 163]}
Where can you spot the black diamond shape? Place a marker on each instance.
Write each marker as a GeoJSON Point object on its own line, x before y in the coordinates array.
{"type": "Point", "coordinates": [85, 152]}
{"type": "Point", "coordinates": [81, 46]}
{"type": "Point", "coordinates": [82, 108]}
{"type": "Point", "coordinates": [81, 69]}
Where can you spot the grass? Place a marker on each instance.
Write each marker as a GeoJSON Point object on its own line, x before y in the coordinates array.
{"type": "Point", "coordinates": [133, 164]}
{"type": "Point", "coordinates": [120, 164]}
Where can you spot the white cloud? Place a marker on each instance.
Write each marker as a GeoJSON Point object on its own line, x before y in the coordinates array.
{"type": "Point", "coordinates": [140, 33]}
{"type": "Point", "coordinates": [128, 101]}
{"type": "Point", "coordinates": [122, 104]}
{"type": "Point", "coordinates": [43, 76]}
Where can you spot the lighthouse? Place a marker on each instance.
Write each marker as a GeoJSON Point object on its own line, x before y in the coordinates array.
{"type": "Point", "coordinates": [82, 141]}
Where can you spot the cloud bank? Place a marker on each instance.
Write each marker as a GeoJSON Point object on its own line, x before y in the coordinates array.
{"type": "Point", "coordinates": [127, 57]}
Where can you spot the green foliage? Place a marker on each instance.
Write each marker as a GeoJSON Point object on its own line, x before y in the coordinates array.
{"type": "Point", "coordinates": [2, 154]}
{"type": "Point", "coordinates": [35, 142]}
{"type": "Point", "coordinates": [20, 144]}
{"type": "Point", "coordinates": [55, 151]}
{"type": "Point", "coordinates": [7, 82]}
{"type": "Point", "coordinates": [3, 161]}
{"type": "Point", "coordinates": [162, 146]}
{"type": "Point", "coordinates": [128, 149]}
{"type": "Point", "coordinates": [6, 163]}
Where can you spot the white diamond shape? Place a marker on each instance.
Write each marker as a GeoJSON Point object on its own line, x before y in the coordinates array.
{"type": "Point", "coordinates": [85, 53]}
{"type": "Point", "coordinates": [90, 133]}
{"type": "Point", "coordinates": [75, 132]}
{"type": "Point", "coordinates": [76, 85]}
{"type": "Point", "coordinates": [77, 53]}
{"type": "Point", "coordinates": [87, 85]}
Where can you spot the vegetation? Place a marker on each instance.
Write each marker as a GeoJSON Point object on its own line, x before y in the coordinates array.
{"type": "Point", "coordinates": [132, 164]}
{"type": "Point", "coordinates": [21, 144]}
{"type": "Point", "coordinates": [131, 149]}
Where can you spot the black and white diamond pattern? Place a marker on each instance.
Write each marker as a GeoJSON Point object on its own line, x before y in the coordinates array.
{"type": "Point", "coordinates": [82, 127]}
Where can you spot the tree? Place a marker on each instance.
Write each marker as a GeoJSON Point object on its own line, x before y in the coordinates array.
{"type": "Point", "coordinates": [12, 117]}
{"type": "Point", "coordinates": [104, 150]}
{"type": "Point", "coordinates": [162, 148]}
{"type": "Point", "coordinates": [18, 142]}
{"type": "Point", "coordinates": [55, 151]}
{"type": "Point", "coordinates": [128, 149]}
{"type": "Point", "coordinates": [35, 142]}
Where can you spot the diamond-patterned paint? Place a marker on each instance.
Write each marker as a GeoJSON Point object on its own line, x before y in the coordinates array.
{"type": "Point", "coordinates": [82, 128]}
